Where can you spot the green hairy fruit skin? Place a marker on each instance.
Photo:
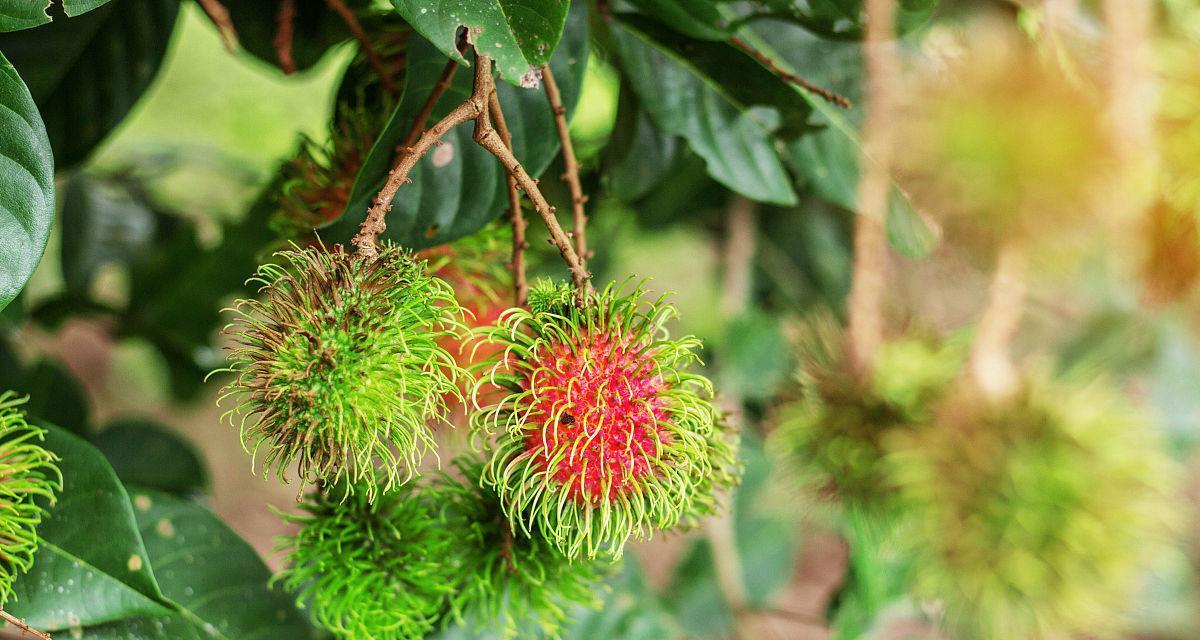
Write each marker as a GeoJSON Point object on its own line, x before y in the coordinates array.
{"type": "Point", "coordinates": [28, 474]}
{"type": "Point", "coordinates": [510, 581]}
{"type": "Point", "coordinates": [1030, 517]}
{"type": "Point", "coordinates": [379, 570]}
{"type": "Point", "coordinates": [601, 433]}
{"type": "Point", "coordinates": [833, 435]}
{"type": "Point", "coordinates": [340, 367]}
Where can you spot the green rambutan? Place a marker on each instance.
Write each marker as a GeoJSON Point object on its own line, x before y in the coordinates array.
{"type": "Point", "coordinates": [380, 570]}
{"type": "Point", "coordinates": [510, 581]}
{"type": "Point", "coordinates": [29, 479]}
{"type": "Point", "coordinates": [341, 366]}
{"type": "Point", "coordinates": [833, 435]}
{"type": "Point", "coordinates": [1030, 517]}
{"type": "Point", "coordinates": [601, 432]}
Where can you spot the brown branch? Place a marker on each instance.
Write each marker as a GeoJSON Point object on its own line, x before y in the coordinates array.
{"type": "Point", "coordinates": [285, 21]}
{"type": "Point", "coordinates": [788, 76]}
{"type": "Point", "coordinates": [865, 305]}
{"type": "Point", "coordinates": [519, 244]}
{"type": "Point", "coordinates": [221, 20]}
{"type": "Point", "coordinates": [571, 165]}
{"type": "Point", "coordinates": [439, 89]}
{"type": "Point", "coordinates": [488, 138]}
{"type": "Point", "coordinates": [366, 240]}
{"type": "Point", "coordinates": [20, 624]}
{"type": "Point", "coordinates": [991, 362]}
{"type": "Point", "coordinates": [352, 23]}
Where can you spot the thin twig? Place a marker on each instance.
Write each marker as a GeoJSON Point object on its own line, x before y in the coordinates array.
{"type": "Point", "coordinates": [348, 17]}
{"type": "Point", "coordinates": [865, 305]}
{"type": "Point", "coordinates": [439, 89]}
{"type": "Point", "coordinates": [285, 21]}
{"type": "Point", "coordinates": [20, 624]}
{"type": "Point", "coordinates": [991, 362]}
{"type": "Point", "coordinates": [788, 76]}
{"type": "Point", "coordinates": [570, 165]}
{"type": "Point", "coordinates": [221, 20]}
{"type": "Point", "coordinates": [519, 244]}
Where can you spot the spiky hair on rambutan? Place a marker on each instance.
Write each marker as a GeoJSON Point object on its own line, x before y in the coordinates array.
{"type": "Point", "coordinates": [29, 480]}
{"type": "Point", "coordinates": [381, 570]}
{"type": "Point", "coordinates": [601, 431]}
{"type": "Point", "coordinates": [510, 581]}
{"type": "Point", "coordinates": [832, 435]}
{"type": "Point", "coordinates": [1032, 516]}
{"type": "Point", "coordinates": [340, 365]}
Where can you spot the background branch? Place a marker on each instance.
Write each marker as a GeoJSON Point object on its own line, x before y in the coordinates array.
{"type": "Point", "coordinates": [519, 244]}
{"type": "Point", "coordinates": [285, 25]}
{"type": "Point", "coordinates": [373, 58]}
{"type": "Point", "coordinates": [571, 165]}
{"type": "Point", "coordinates": [220, 18]}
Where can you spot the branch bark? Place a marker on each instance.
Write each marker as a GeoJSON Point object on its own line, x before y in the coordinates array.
{"type": "Point", "coordinates": [520, 284]}
{"type": "Point", "coordinates": [571, 165]}
{"type": "Point", "coordinates": [991, 361]}
{"type": "Point", "coordinates": [219, 16]}
{"type": "Point", "coordinates": [25, 629]}
{"type": "Point", "coordinates": [788, 76]}
{"type": "Point", "coordinates": [285, 24]}
{"type": "Point", "coordinates": [373, 58]}
{"type": "Point", "coordinates": [865, 305]}
{"type": "Point", "coordinates": [439, 89]}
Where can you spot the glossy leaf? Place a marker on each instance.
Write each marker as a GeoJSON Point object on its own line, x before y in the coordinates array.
{"type": "Point", "coordinates": [695, 18]}
{"type": "Point", "coordinates": [92, 566]}
{"type": "Point", "coordinates": [736, 143]}
{"type": "Point", "coordinates": [147, 454]}
{"type": "Point", "coordinates": [459, 187]}
{"type": "Point", "coordinates": [26, 184]}
{"type": "Point", "coordinates": [25, 14]}
{"type": "Point", "coordinates": [215, 579]}
{"type": "Point", "coordinates": [842, 18]}
{"type": "Point", "coordinates": [96, 64]}
{"type": "Point", "coordinates": [315, 29]}
{"type": "Point", "coordinates": [518, 34]}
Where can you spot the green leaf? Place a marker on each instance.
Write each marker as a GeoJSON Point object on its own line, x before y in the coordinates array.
{"type": "Point", "coordinates": [753, 359]}
{"type": "Point", "coordinates": [315, 29]}
{"type": "Point", "coordinates": [56, 397]}
{"type": "Point", "coordinates": [26, 184]}
{"type": "Point", "coordinates": [147, 454]}
{"type": "Point", "coordinates": [461, 187]}
{"type": "Point", "coordinates": [696, 18]}
{"type": "Point", "coordinates": [216, 580]}
{"type": "Point", "coordinates": [25, 14]}
{"type": "Point", "coordinates": [517, 34]}
{"type": "Point", "coordinates": [97, 64]}
{"type": "Point", "coordinates": [92, 566]}
{"type": "Point", "coordinates": [735, 143]}
{"type": "Point", "coordinates": [844, 19]}
{"type": "Point", "coordinates": [102, 223]}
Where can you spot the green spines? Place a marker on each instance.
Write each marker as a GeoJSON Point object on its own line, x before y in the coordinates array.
{"type": "Point", "coordinates": [340, 367]}
{"type": "Point", "coordinates": [29, 478]}
{"type": "Point", "coordinates": [834, 435]}
{"type": "Point", "coordinates": [1031, 517]}
{"type": "Point", "coordinates": [510, 581]}
{"type": "Point", "coordinates": [601, 432]}
{"type": "Point", "coordinates": [549, 296]}
{"type": "Point", "coordinates": [379, 570]}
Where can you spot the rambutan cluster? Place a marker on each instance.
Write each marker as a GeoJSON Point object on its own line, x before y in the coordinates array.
{"type": "Point", "coordinates": [29, 479]}
{"type": "Point", "coordinates": [340, 366]}
{"type": "Point", "coordinates": [601, 432]}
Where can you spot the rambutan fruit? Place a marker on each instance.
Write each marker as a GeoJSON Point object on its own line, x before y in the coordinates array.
{"type": "Point", "coordinates": [29, 480]}
{"type": "Point", "coordinates": [602, 433]}
{"type": "Point", "coordinates": [340, 366]}
{"type": "Point", "coordinates": [832, 436]}
{"type": "Point", "coordinates": [510, 581]}
{"type": "Point", "coordinates": [379, 570]}
{"type": "Point", "coordinates": [1032, 516]}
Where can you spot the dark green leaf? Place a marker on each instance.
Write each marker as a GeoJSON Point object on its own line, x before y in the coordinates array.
{"type": "Point", "coordinates": [695, 18]}
{"type": "Point", "coordinates": [102, 223]}
{"type": "Point", "coordinates": [86, 73]}
{"type": "Point", "coordinates": [315, 29]}
{"type": "Point", "coordinates": [56, 397]}
{"type": "Point", "coordinates": [216, 580]}
{"type": "Point", "coordinates": [148, 454]}
{"type": "Point", "coordinates": [25, 14]}
{"type": "Point", "coordinates": [842, 18]}
{"type": "Point", "coordinates": [461, 187]}
{"type": "Point", "coordinates": [26, 184]}
{"type": "Point", "coordinates": [92, 566]}
{"type": "Point", "coordinates": [639, 156]}
{"type": "Point", "coordinates": [736, 144]}
{"type": "Point", "coordinates": [517, 34]}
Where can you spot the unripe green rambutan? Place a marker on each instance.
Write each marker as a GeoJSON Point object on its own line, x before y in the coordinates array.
{"type": "Point", "coordinates": [510, 581]}
{"type": "Point", "coordinates": [29, 478]}
{"type": "Point", "coordinates": [833, 435]}
{"type": "Point", "coordinates": [601, 432]}
{"type": "Point", "coordinates": [379, 570]}
{"type": "Point", "coordinates": [1031, 517]}
{"type": "Point", "coordinates": [341, 365]}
